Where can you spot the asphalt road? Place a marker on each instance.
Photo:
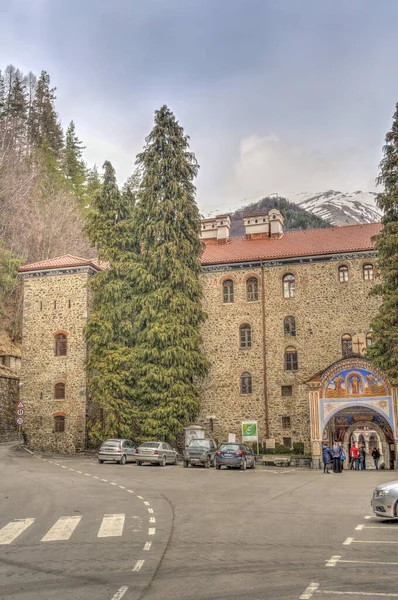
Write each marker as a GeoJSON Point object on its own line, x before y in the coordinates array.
{"type": "Point", "coordinates": [190, 534]}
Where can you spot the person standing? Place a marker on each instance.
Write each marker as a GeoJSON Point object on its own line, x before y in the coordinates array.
{"type": "Point", "coordinates": [354, 455]}
{"type": "Point", "coordinates": [343, 458]}
{"type": "Point", "coordinates": [362, 458]}
{"type": "Point", "coordinates": [336, 455]}
{"type": "Point", "coordinates": [326, 457]}
{"type": "Point", "coordinates": [376, 457]}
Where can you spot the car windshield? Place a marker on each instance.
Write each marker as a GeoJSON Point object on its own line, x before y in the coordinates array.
{"type": "Point", "coordinates": [199, 444]}
{"type": "Point", "coordinates": [112, 443]}
{"type": "Point", "coordinates": [150, 445]}
{"type": "Point", "coordinates": [232, 447]}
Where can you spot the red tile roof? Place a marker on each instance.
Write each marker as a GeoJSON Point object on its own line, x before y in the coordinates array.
{"type": "Point", "coordinates": [310, 242]}
{"type": "Point", "coordinates": [62, 262]}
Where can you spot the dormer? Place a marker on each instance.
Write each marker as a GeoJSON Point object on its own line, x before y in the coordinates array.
{"type": "Point", "coordinates": [208, 229]}
{"type": "Point", "coordinates": [256, 226]}
{"type": "Point", "coordinates": [215, 230]}
{"type": "Point", "coordinates": [276, 220]}
{"type": "Point", "coordinates": [223, 227]}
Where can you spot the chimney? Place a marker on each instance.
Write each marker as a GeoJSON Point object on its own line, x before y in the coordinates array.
{"type": "Point", "coordinates": [257, 226]}
{"type": "Point", "coordinates": [276, 220]}
{"type": "Point", "coordinates": [215, 230]}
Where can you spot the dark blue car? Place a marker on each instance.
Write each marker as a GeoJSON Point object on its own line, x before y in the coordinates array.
{"type": "Point", "coordinates": [235, 455]}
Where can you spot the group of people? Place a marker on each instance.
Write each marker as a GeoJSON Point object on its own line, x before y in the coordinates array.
{"type": "Point", "coordinates": [336, 456]}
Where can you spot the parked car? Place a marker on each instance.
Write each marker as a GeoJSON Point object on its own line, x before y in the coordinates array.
{"type": "Point", "coordinates": [117, 450]}
{"type": "Point", "coordinates": [235, 455]}
{"type": "Point", "coordinates": [385, 500]}
{"type": "Point", "coordinates": [200, 452]}
{"type": "Point", "coordinates": [158, 453]}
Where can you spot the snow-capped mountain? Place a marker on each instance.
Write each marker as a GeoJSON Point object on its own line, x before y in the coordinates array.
{"type": "Point", "coordinates": [338, 208]}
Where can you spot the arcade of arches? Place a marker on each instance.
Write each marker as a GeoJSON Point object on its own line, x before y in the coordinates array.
{"type": "Point", "coordinates": [352, 401]}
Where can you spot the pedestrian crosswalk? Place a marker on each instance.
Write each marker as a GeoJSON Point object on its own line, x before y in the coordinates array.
{"type": "Point", "coordinates": [111, 526]}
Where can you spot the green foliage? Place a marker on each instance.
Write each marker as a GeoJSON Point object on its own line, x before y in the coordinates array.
{"type": "Point", "coordinates": [169, 360]}
{"type": "Point", "coordinates": [74, 165]}
{"type": "Point", "coordinates": [298, 447]}
{"type": "Point", "coordinates": [8, 273]}
{"type": "Point", "coordinates": [384, 351]}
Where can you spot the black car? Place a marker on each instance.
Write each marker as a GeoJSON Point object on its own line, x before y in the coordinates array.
{"type": "Point", "coordinates": [235, 455]}
{"type": "Point", "coordinates": [200, 452]}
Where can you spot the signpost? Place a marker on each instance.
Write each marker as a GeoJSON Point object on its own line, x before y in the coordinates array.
{"type": "Point", "coordinates": [250, 432]}
{"type": "Point", "coordinates": [20, 420]}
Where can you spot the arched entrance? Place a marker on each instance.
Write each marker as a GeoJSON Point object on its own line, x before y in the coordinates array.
{"type": "Point", "coordinates": [384, 442]}
{"type": "Point", "coordinates": [349, 393]}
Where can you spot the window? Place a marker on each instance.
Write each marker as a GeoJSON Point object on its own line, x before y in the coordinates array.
{"type": "Point", "coordinates": [59, 424]}
{"type": "Point", "coordinates": [59, 391]}
{"type": "Point", "coordinates": [289, 326]}
{"type": "Point", "coordinates": [252, 289]}
{"type": "Point", "coordinates": [245, 334]}
{"type": "Point", "coordinates": [41, 305]}
{"type": "Point", "coordinates": [368, 272]}
{"type": "Point", "coordinates": [69, 303]}
{"type": "Point", "coordinates": [285, 422]}
{"type": "Point", "coordinates": [369, 340]}
{"type": "Point", "coordinates": [287, 390]}
{"type": "Point", "coordinates": [287, 442]}
{"type": "Point", "coordinates": [228, 291]}
{"type": "Point", "coordinates": [291, 362]}
{"type": "Point", "coordinates": [245, 383]}
{"type": "Point", "coordinates": [289, 286]}
{"type": "Point", "coordinates": [55, 304]}
{"type": "Point", "coordinates": [346, 345]}
{"type": "Point", "coordinates": [60, 344]}
{"type": "Point", "coordinates": [343, 274]}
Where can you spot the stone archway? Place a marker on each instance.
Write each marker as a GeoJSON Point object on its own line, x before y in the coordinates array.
{"type": "Point", "coordinates": [383, 440]}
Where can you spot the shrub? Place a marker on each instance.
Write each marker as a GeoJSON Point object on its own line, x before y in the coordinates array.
{"type": "Point", "coordinates": [298, 447]}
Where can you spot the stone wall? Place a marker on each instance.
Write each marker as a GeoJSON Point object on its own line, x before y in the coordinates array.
{"type": "Point", "coordinates": [54, 303]}
{"type": "Point", "coordinates": [9, 391]}
{"type": "Point", "coordinates": [324, 309]}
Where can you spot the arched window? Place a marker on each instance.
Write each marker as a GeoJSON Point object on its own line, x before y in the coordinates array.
{"type": "Point", "coordinates": [346, 345]}
{"type": "Point", "coordinates": [228, 291]}
{"type": "Point", "coordinates": [289, 286]}
{"type": "Point", "coordinates": [59, 391]}
{"type": "Point", "coordinates": [343, 274]}
{"type": "Point", "coordinates": [291, 361]}
{"type": "Point", "coordinates": [368, 272]}
{"type": "Point", "coordinates": [61, 344]}
{"type": "Point", "coordinates": [289, 326]}
{"type": "Point", "coordinates": [369, 340]}
{"type": "Point", "coordinates": [59, 424]}
{"type": "Point", "coordinates": [252, 289]}
{"type": "Point", "coordinates": [245, 336]}
{"type": "Point", "coordinates": [245, 383]}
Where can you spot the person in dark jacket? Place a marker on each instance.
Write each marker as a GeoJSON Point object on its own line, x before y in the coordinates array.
{"type": "Point", "coordinates": [337, 451]}
{"type": "Point", "coordinates": [376, 457]}
{"type": "Point", "coordinates": [362, 458]}
{"type": "Point", "coordinates": [326, 457]}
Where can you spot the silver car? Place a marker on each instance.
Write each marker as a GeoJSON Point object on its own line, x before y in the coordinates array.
{"type": "Point", "coordinates": [118, 450]}
{"type": "Point", "coordinates": [385, 500]}
{"type": "Point", "coordinates": [158, 453]}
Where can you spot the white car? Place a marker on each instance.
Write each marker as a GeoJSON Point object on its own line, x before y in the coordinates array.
{"type": "Point", "coordinates": [158, 453]}
{"type": "Point", "coordinates": [385, 500]}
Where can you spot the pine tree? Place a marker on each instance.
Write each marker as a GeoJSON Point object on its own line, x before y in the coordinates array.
{"type": "Point", "coordinates": [110, 329]}
{"type": "Point", "coordinates": [384, 351]}
{"type": "Point", "coordinates": [74, 166]}
{"type": "Point", "coordinates": [168, 358]}
{"type": "Point", "coordinates": [44, 123]}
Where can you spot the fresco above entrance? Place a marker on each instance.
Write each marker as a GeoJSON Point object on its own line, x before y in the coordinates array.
{"type": "Point", "coordinates": [355, 383]}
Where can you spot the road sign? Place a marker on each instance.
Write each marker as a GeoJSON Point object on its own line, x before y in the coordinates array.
{"type": "Point", "coordinates": [20, 421]}
{"type": "Point", "coordinates": [20, 412]}
{"type": "Point", "coordinates": [249, 431]}
{"type": "Point", "coordinates": [20, 404]}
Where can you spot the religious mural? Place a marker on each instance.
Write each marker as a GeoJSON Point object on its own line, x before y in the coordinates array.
{"type": "Point", "coordinates": [359, 383]}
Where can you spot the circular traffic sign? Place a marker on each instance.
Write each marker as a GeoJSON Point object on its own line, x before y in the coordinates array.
{"type": "Point", "coordinates": [20, 421]}
{"type": "Point", "coordinates": [20, 412]}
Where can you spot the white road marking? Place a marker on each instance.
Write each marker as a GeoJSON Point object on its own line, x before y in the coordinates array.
{"type": "Point", "coordinates": [138, 565]}
{"type": "Point", "coordinates": [71, 469]}
{"type": "Point", "coordinates": [368, 517]}
{"type": "Point", "coordinates": [106, 481]}
{"type": "Point", "coordinates": [150, 510]}
{"type": "Point", "coordinates": [310, 591]}
{"type": "Point", "coordinates": [373, 594]}
{"type": "Point", "coordinates": [87, 474]}
{"type": "Point", "coordinates": [147, 545]}
{"type": "Point", "coordinates": [381, 527]}
{"type": "Point", "coordinates": [140, 497]}
{"type": "Point", "coordinates": [130, 491]}
{"type": "Point", "coordinates": [152, 531]}
{"type": "Point", "coordinates": [275, 473]}
{"type": "Point", "coordinates": [147, 504]}
{"type": "Point", "coordinates": [120, 593]}
{"type": "Point", "coordinates": [332, 562]}
{"type": "Point", "coordinates": [50, 461]}
{"type": "Point", "coordinates": [113, 483]}
{"type": "Point", "coordinates": [373, 542]}
{"type": "Point", "coordinates": [348, 541]}
{"type": "Point", "coordinates": [63, 466]}
{"type": "Point", "coordinates": [152, 520]}
{"type": "Point", "coordinates": [79, 472]}
{"type": "Point", "coordinates": [368, 562]}
{"type": "Point", "coordinates": [62, 529]}
{"type": "Point", "coordinates": [54, 463]}
{"type": "Point", "coordinates": [122, 487]}
{"type": "Point", "coordinates": [359, 527]}
{"type": "Point", "coordinates": [95, 477]}
{"type": "Point", "coordinates": [112, 526]}
{"type": "Point", "coordinates": [12, 530]}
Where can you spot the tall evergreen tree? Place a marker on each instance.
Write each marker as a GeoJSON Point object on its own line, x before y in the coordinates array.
{"type": "Point", "coordinates": [45, 128]}
{"type": "Point", "coordinates": [168, 358]}
{"type": "Point", "coordinates": [110, 329]}
{"type": "Point", "coordinates": [74, 166]}
{"type": "Point", "coordinates": [384, 351]}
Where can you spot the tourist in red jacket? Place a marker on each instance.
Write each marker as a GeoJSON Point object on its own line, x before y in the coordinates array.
{"type": "Point", "coordinates": [354, 457]}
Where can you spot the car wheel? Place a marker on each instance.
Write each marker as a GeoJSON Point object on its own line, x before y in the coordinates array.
{"type": "Point", "coordinates": [101, 461]}
{"type": "Point", "coordinates": [163, 461]}
{"type": "Point", "coordinates": [243, 465]}
{"type": "Point", "coordinates": [186, 464]}
{"type": "Point", "coordinates": [207, 463]}
{"type": "Point", "coordinates": [175, 460]}
{"type": "Point", "coordinates": [218, 467]}
{"type": "Point", "coordinates": [123, 460]}
{"type": "Point", "coordinates": [254, 463]}
{"type": "Point", "coordinates": [138, 463]}
{"type": "Point", "coordinates": [213, 462]}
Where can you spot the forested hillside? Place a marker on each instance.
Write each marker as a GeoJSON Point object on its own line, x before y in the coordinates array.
{"type": "Point", "coordinates": [44, 183]}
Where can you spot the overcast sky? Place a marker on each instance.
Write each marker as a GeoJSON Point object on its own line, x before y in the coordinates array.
{"type": "Point", "coordinates": [276, 95]}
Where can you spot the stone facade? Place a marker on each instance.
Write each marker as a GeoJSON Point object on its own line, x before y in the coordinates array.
{"type": "Point", "coordinates": [55, 302]}
{"type": "Point", "coordinates": [324, 309]}
{"type": "Point", "coordinates": [9, 390]}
